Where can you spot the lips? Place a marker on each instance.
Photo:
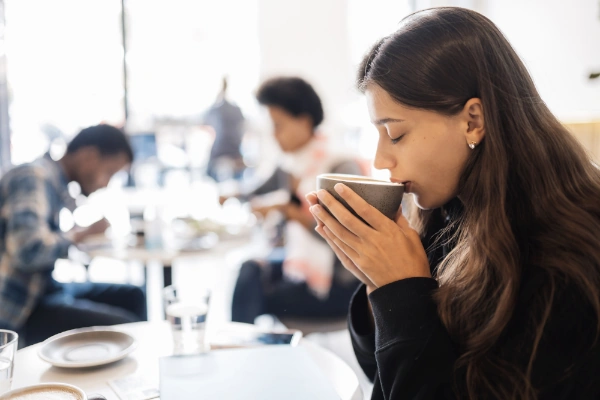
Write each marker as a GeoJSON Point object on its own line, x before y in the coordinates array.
{"type": "Point", "coordinates": [406, 184]}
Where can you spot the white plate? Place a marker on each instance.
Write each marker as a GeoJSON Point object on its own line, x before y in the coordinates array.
{"type": "Point", "coordinates": [87, 347]}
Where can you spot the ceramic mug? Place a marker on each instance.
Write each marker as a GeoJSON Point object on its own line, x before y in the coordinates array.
{"type": "Point", "coordinates": [385, 196]}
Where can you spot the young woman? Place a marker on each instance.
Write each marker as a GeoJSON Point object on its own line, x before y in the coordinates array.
{"type": "Point", "coordinates": [493, 290]}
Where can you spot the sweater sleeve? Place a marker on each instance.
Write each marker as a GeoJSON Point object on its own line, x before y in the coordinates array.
{"type": "Point", "coordinates": [415, 355]}
{"type": "Point", "coordinates": [31, 244]}
{"type": "Point", "coordinates": [362, 333]}
{"type": "Point", "coordinates": [277, 181]}
{"type": "Point", "coordinates": [409, 354]}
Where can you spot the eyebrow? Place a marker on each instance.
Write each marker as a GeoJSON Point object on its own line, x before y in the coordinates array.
{"type": "Point", "coordinates": [384, 121]}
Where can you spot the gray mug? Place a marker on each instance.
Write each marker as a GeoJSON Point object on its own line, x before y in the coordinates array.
{"type": "Point", "coordinates": [385, 196]}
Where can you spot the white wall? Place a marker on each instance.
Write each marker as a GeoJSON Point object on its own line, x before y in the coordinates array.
{"type": "Point", "coordinates": [309, 38]}
{"type": "Point", "coordinates": [560, 43]}
{"type": "Point", "coordinates": [558, 40]}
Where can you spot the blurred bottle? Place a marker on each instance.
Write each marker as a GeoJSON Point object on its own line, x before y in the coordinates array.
{"type": "Point", "coordinates": [153, 228]}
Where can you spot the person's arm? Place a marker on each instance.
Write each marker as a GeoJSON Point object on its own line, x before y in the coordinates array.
{"type": "Point", "coordinates": [278, 180]}
{"type": "Point", "coordinates": [30, 243]}
{"type": "Point", "coordinates": [408, 352]}
{"type": "Point", "coordinates": [362, 332]}
{"type": "Point", "coordinates": [414, 353]}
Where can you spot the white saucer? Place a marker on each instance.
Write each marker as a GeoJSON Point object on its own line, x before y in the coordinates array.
{"type": "Point", "coordinates": [87, 347]}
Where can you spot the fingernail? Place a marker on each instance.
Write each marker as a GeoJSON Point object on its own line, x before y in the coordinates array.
{"type": "Point", "coordinates": [339, 188]}
{"type": "Point", "coordinates": [315, 209]}
{"type": "Point", "coordinates": [321, 194]}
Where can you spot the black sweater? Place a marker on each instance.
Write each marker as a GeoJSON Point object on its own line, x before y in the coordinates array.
{"type": "Point", "coordinates": [411, 356]}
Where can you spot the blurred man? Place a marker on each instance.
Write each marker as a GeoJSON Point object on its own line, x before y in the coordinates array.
{"type": "Point", "coordinates": [227, 121]}
{"type": "Point", "coordinates": [31, 197]}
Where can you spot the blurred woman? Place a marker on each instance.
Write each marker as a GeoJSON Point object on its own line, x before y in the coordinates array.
{"type": "Point", "coordinates": [304, 279]}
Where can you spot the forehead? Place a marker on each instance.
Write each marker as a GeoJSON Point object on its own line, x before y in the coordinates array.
{"type": "Point", "coordinates": [382, 105]}
{"type": "Point", "coordinates": [277, 112]}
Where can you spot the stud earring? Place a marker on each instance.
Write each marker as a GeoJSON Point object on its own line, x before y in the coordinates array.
{"type": "Point", "coordinates": [472, 145]}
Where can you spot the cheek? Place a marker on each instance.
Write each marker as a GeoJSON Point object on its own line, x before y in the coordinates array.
{"type": "Point", "coordinates": [280, 137]}
{"type": "Point", "coordinates": [89, 177]}
{"type": "Point", "coordinates": [437, 165]}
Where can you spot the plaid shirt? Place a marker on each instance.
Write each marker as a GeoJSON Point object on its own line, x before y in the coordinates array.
{"type": "Point", "coordinates": [31, 197]}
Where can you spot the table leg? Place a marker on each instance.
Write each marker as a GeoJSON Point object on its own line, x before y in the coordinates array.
{"type": "Point", "coordinates": [167, 275]}
{"type": "Point", "coordinates": [145, 286]}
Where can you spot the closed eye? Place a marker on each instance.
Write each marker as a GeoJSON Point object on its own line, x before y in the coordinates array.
{"type": "Point", "coordinates": [396, 140]}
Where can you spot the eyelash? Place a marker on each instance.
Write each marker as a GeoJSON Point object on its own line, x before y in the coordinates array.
{"type": "Point", "coordinates": [396, 140]}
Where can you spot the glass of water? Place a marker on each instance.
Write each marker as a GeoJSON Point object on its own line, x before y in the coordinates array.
{"type": "Point", "coordinates": [8, 348]}
{"type": "Point", "coordinates": [186, 312]}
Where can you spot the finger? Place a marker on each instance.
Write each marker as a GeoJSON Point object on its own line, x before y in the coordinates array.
{"type": "Point", "coordinates": [348, 250]}
{"type": "Point", "coordinates": [370, 214]}
{"type": "Point", "coordinates": [312, 198]}
{"type": "Point", "coordinates": [345, 260]}
{"type": "Point", "coordinates": [339, 230]}
{"type": "Point", "coordinates": [316, 216]}
{"type": "Point", "coordinates": [342, 216]}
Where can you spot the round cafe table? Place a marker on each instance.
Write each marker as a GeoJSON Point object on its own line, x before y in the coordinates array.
{"type": "Point", "coordinates": [165, 256]}
{"type": "Point", "coordinates": [154, 341]}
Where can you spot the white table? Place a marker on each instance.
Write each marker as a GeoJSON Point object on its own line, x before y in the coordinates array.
{"type": "Point", "coordinates": [165, 257]}
{"type": "Point", "coordinates": [154, 341]}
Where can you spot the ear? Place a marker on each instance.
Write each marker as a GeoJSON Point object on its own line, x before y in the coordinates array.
{"type": "Point", "coordinates": [473, 116]}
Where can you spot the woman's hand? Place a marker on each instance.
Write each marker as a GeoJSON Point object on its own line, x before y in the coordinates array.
{"type": "Point", "coordinates": [384, 252]}
{"type": "Point", "coordinates": [346, 261]}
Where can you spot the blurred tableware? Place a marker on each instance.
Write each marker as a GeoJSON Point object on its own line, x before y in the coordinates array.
{"type": "Point", "coordinates": [96, 241]}
{"type": "Point", "coordinates": [50, 391]}
{"type": "Point", "coordinates": [87, 347]}
{"type": "Point", "coordinates": [186, 312]}
{"type": "Point", "coordinates": [8, 347]}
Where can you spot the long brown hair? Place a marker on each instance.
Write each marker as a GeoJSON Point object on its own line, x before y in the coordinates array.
{"type": "Point", "coordinates": [531, 195]}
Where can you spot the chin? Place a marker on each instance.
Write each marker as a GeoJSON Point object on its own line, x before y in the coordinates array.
{"type": "Point", "coordinates": [425, 203]}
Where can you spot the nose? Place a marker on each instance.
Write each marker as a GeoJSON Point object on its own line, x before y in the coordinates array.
{"type": "Point", "coordinates": [383, 158]}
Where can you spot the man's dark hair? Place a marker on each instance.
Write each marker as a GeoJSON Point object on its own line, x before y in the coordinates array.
{"type": "Point", "coordinates": [109, 141]}
{"type": "Point", "coordinates": [294, 95]}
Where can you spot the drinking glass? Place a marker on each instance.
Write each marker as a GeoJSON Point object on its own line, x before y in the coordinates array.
{"type": "Point", "coordinates": [8, 348]}
{"type": "Point", "coordinates": [186, 312]}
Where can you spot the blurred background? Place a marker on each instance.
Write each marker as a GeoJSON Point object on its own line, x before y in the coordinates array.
{"type": "Point", "coordinates": [154, 66]}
